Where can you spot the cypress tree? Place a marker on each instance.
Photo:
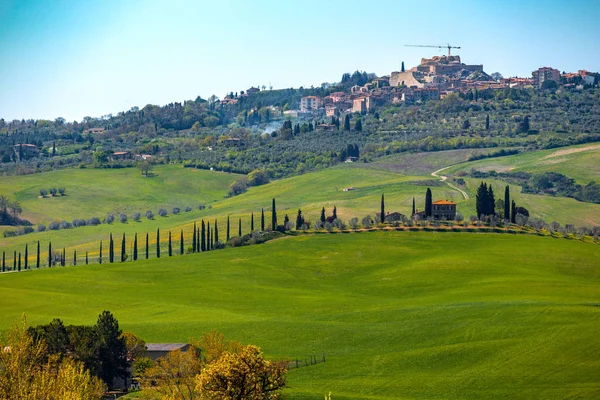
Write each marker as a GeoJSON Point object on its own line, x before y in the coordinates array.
{"type": "Point", "coordinates": [402, 68]}
{"type": "Point", "coordinates": [64, 257]}
{"type": "Point", "coordinates": [513, 212]}
{"type": "Point", "coordinates": [100, 256]}
{"type": "Point", "coordinates": [74, 258]}
{"type": "Point", "coordinates": [323, 215]}
{"type": "Point", "coordinates": [208, 233]}
{"type": "Point", "coordinates": [147, 246]}
{"type": "Point", "coordinates": [198, 240]}
{"type": "Point", "coordinates": [334, 212]}
{"type": "Point", "coordinates": [240, 227]}
{"type": "Point", "coordinates": [382, 217]}
{"type": "Point", "coordinates": [481, 199]}
{"type": "Point", "coordinates": [347, 122]}
{"type": "Point", "coordinates": [212, 239]}
{"type": "Point", "coordinates": [26, 256]}
{"type": "Point", "coordinates": [203, 238]}
{"type": "Point", "coordinates": [86, 258]}
{"type": "Point", "coordinates": [37, 259]}
{"type": "Point", "coordinates": [413, 207]}
{"type": "Point", "coordinates": [19, 265]}
{"type": "Point", "coordinates": [50, 253]}
{"type": "Point", "coordinates": [3, 261]}
{"type": "Point", "coordinates": [123, 248]}
{"type": "Point", "coordinates": [262, 219]}
{"type": "Point", "coordinates": [135, 248]}
{"type": "Point", "coordinates": [14, 261]}
{"type": "Point", "coordinates": [158, 243]}
{"type": "Point", "coordinates": [299, 220]}
{"type": "Point", "coordinates": [487, 122]}
{"type": "Point", "coordinates": [216, 231]}
{"type": "Point", "coordinates": [491, 202]}
{"type": "Point", "coordinates": [228, 228]}
{"type": "Point", "coordinates": [251, 222]}
{"type": "Point", "coordinates": [170, 246]}
{"type": "Point", "coordinates": [273, 216]}
{"type": "Point", "coordinates": [506, 203]}
{"type": "Point", "coordinates": [194, 245]}
{"type": "Point", "coordinates": [111, 250]}
{"type": "Point", "coordinates": [181, 243]}
{"type": "Point", "coordinates": [428, 204]}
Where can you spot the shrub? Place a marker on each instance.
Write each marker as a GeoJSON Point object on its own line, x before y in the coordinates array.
{"type": "Point", "coordinates": [339, 224]}
{"type": "Point", "coordinates": [188, 209]}
{"type": "Point", "coordinates": [61, 191]}
{"type": "Point", "coordinates": [43, 192]}
{"type": "Point", "coordinates": [459, 217]}
{"type": "Point", "coordinates": [354, 223]}
{"type": "Point", "coordinates": [149, 214]}
{"type": "Point", "coordinates": [176, 210]}
{"type": "Point", "coordinates": [94, 221]}
{"type": "Point", "coordinates": [109, 219]}
{"type": "Point", "coordinates": [53, 192]}
{"type": "Point", "coordinates": [123, 218]}
{"type": "Point", "coordinates": [201, 206]}
{"type": "Point", "coordinates": [366, 222]}
{"type": "Point", "coordinates": [41, 228]}
{"type": "Point", "coordinates": [162, 212]}
{"type": "Point", "coordinates": [54, 226]}
{"type": "Point", "coordinates": [26, 230]}
{"type": "Point", "coordinates": [78, 222]}
{"type": "Point", "coordinates": [136, 216]}
{"type": "Point", "coordinates": [318, 224]}
{"type": "Point", "coordinates": [65, 225]}
{"type": "Point", "coordinates": [10, 234]}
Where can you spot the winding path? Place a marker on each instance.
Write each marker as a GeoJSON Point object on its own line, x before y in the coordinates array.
{"type": "Point", "coordinates": [444, 179]}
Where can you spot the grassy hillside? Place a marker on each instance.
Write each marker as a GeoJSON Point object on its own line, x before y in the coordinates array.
{"type": "Point", "coordinates": [97, 192]}
{"type": "Point", "coordinates": [398, 315]}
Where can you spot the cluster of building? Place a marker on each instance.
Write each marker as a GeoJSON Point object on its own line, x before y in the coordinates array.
{"type": "Point", "coordinates": [433, 79]}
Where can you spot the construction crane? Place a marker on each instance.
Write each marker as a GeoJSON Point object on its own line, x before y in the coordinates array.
{"type": "Point", "coordinates": [438, 47]}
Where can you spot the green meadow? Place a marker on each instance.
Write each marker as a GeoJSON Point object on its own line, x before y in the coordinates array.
{"type": "Point", "coordinates": [401, 315]}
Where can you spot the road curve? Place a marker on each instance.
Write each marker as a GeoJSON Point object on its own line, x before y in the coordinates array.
{"type": "Point", "coordinates": [444, 179]}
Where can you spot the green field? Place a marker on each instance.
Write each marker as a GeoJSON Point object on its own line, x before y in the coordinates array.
{"type": "Point", "coordinates": [398, 315]}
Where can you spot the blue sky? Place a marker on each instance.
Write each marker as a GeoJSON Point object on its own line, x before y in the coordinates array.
{"type": "Point", "coordinates": [76, 58]}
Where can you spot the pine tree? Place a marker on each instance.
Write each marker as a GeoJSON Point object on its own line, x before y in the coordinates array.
{"type": "Point", "coordinates": [147, 245]}
{"type": "Point", "coordinates": [181, 243]}
{"type": "Point", "coordinates": [37, 259]}
{"type": "Point", "coordinates": [299, 220]}
{"type": "Point", "coordinates": [123, 248]}
{"type": "Point", "coordinates": [50, 253]}
{"type": "Point", "coordinates": [506, 203]}
{"type": "Point", "coordinates": [228, 228]}
{"type": "Point", "coordinates": [135, 248]}
{"type": "Point", "coordinates": [111, 250]}
{"type": "Point", "coordinates": [216, 231]}
{"type": "Point", "coordinates": [170, 245]}
{"type": "Point", "coordinates": [413, 208]}
{"type": "Point", "coordinates": [487, 122]}
{"type": "Point", "coordinates": [428, 204]}
{"type": "Point", "coordinates": [240, 227]}
{"type": "Point", "coordinates": [513, 212]}
{"type": "Point", "coordinates": [382, 217]}
{"type": "Point", "coordinates": [334, 213]}
{"type": "Point", "coordinates": [203, 237]}
{"type": "Point", "coordinates": [347, 122]}
{"type": "Point", "coordinates": [158, 243]}
{"type": "Point", "coordinates": [194, 244]}
{"type": "Point", "coordinates": [26, 256]}
{"type": "Point", "coordinates": [251, 222]}
{"type": "Point", "coordinates": [323, 218]}
{"type": "Point", "coordinates": [273, 216]}
{"type": "Point", "coordinates": [100, 255]}
{"type": "Point", "coordinates": [262, 219]}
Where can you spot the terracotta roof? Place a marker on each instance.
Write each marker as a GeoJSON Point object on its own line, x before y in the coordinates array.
{"type": "Point", "coordinates": [444, 202]}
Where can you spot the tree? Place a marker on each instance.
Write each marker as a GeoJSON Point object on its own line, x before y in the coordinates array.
{"type": "Point", "coordinates": [158, 243]}
{"type": "Point", "coordinates": [382, 212]}
{"type": "Point", "coordinates": [113, 352]}
{"type": "Point", "coordinates": [497, 76]}
{"type": "Point", "coordinates": [251, 222]}
{"type": "Point", "coordinates": [491, 202]}
{"type": "Point", "coordinates": [244, 375]}
{"type": "Point", "coordinates": [216, 231]}
{"type": "Point", "coordinates": [37, 259]}
{"type": "Point", "coordinates": [181, 243]}
{"type": "Point", "coordinates": [123, 248]}
{"type": "Point", "coordinates": [145, 167]}
{"type": "Point", "coordinates": [428, 204]}
{"type": "Point", "coordinates": [240, 227]}
{"type": "Point", "coordinates": [487, 122]}
{"type": "Point", "coordinates": [26, 256]}
{"type": "Point", "coordinates": [208, 235]}
{"type": "Point", "coordinates": [347, 122]}
{"type": "Point", "coordinates": [147, 245]}
{"type": "Point", "coordinates": [413, 207]}
{"type": "Point", "coordinates": [507, 203]}
{"type": "Point", "coordinates": [402, 67]}
{"type": "Point", "coordinates": [135, 248]}
{"type": "Point", "coordinates": [111, 249]}
{"type": "Point", "coordinates": [466, 124]}
{"type": "Point", "coordinates": [262, 219]}
{"type": "Point", "coordinates": [99, 255]}
{"type": "Point", "coordinates": [299, 220]}
{"type": "Point", "coordinates": [323, 218]}
{"type": "Point", "coordinates": [170, 245]}
{"type": "Point", "coordinates": [203, 237]}
{"type": "Point", "coordinates": [481, 199]}
{"type": "Point", "coordinates": [524, 125]}
{"type": "Point", "coordinates": [228, 229]}
{"type": "Point", "coordinates": [334, 216]}
{"type": "Point", "coordinates": [194, 244]}
{"type": "Point", "coordinates": [273, 216]}
{"type": "Point", "coordinates": [135, 346]}
{"type": "Point", "coordinates": [513, 211]}
{"type": "Point", "coordinates": [358, 125]}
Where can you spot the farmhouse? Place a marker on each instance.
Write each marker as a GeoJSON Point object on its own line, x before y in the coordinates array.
{"type": "Point", "coordinates": [394, 217]}
{"type": "Point", "coordinates": [120, 155]}
{"type": "Point", "coordinates": [155, 350]}
{"type": "Point", "coordinates": [94, 130]}
{"type": "Point", "coordinates": [444, 209]}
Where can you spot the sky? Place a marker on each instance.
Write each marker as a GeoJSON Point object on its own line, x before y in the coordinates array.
{"type": "Point", "coordinates": [77, 58]}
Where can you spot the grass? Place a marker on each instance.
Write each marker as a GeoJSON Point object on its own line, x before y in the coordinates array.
{"type": "Point", "coordinates": [398, 315]}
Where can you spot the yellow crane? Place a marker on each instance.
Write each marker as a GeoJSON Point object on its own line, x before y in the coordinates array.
{"type": "Point", "coordinates": [437, 47]}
